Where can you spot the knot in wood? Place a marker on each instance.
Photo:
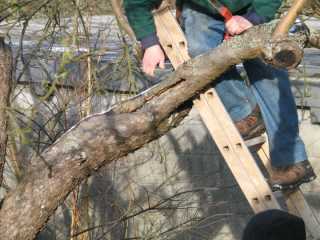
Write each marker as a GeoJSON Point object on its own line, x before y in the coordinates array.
{"type": "Point", "coordinates": [81, 157]}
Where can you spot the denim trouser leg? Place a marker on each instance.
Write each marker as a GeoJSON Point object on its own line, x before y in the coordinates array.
{"type": "Point", "coordinates": [270, 88]}
{"type": "Point", "coordinates": [204, 33]}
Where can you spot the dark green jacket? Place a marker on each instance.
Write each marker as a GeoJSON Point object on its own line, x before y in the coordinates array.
{"type": "Point", "coordinates": [141, 20]}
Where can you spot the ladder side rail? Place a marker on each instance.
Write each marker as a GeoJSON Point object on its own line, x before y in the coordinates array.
{"type": "Point", "coordinates": [171, 36]}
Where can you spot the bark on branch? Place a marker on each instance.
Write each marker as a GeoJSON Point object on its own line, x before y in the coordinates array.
{"type": "Point", "coordinates": [314, 39]}
{"type": "Point", "coordinates": [102, 138]}
{"type": "Point", "coordinates": [5, 88]}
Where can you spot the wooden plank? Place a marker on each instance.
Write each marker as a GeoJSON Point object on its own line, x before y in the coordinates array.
{"type": "Point", "coordinates": [235, 152]}
{"type": "Point", "coordinates": [255, 141]}
{"type": "Point", "coordinates": [295, 200]}
{"type": "Point", "coordinates": [171, 37]}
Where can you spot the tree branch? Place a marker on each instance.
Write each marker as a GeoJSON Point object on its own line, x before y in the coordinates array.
{"type": "Point", "coordinates": [101, 138]}
{"type": "Point", "coordinates": [5, 89]}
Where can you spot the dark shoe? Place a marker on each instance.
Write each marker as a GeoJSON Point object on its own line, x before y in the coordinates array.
{"type": "Point", "coordinates": [291, 177]}
{"type": "Point", "coordinates": [251, 126]}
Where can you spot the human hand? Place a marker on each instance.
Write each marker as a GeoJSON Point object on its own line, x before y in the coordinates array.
{"type": "Point", "coordinates": [152, 57]}
{"type": "Point", "coordinates": [237, 25]}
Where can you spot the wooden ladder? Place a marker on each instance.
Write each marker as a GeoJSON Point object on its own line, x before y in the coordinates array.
{"type": "Point", "coordinates": [230, 143]}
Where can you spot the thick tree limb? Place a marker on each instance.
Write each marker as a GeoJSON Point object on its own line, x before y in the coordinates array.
{"type": "Point", "coordinates": [102, 138]}
{"type": "Point", "coordinates": [5, 88]}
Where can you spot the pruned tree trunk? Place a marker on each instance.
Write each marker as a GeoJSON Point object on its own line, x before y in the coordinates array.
{"type": "Point", "coordinates": [101, 138]}
{"type": "Point", "coordinates": [5, 88]}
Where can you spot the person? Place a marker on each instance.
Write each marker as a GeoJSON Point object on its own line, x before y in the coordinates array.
{"type": "Point", "coordinates": [274, 224]}
{"type": "Point", "coordinates": [269, 87]}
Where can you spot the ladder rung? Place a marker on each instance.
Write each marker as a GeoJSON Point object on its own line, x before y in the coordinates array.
{"type": "Point", "coordinates": [255, 141]}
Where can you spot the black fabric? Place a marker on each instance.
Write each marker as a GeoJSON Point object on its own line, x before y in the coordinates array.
{"type": "Point", "coordinates": [254, 18]}
{"type": "Point", "coordinates": [275, 225]}
{"type": "Point", "coordinates": [149, 41]}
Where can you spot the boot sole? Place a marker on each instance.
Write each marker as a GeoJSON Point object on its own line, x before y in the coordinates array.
{"type": "Point", "coordinates": [255, 132]}
{"type": "Point", "coordinates": [310, 176]}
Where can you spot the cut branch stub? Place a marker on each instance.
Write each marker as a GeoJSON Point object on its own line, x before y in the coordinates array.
{"type": "Point", "coordinates": [284, 54]}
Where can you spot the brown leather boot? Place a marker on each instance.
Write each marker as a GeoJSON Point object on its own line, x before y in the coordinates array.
{"type": "Point", "coordinates": [251, 126]}
{"type": "Point", "coordinates": [291, 177]}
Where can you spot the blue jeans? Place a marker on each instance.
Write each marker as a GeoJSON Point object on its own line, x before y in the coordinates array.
{"type": "Point", "coordinates": [269, 88]}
